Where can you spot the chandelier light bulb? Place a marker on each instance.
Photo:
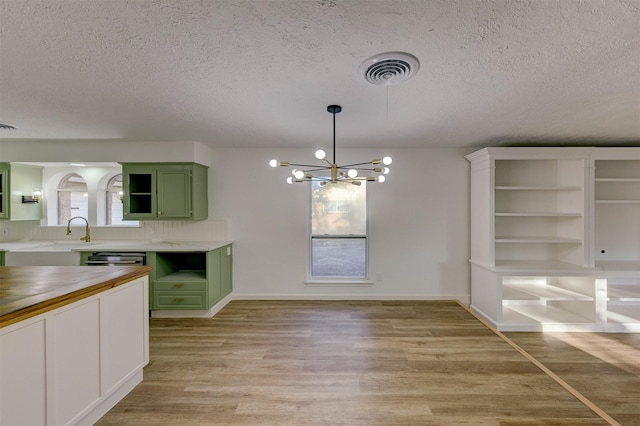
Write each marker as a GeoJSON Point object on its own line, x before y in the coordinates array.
{"type": "Point", "coordinates": [352, 173]}
{"type": "Point", "coordinates": [387, 160]}
{"type": "Point", "coordinates": [320, 154]}
{"type": "Point", "coordinates": [290, 180]}
{"type": "Point", "coordinates": [381, 178]}
{"type": "Point", "coordinates": [385, 171]}
{"type": "Point", "coordinates": [299, 174]}
{"type": "Point", "coordinates": [273, 163]}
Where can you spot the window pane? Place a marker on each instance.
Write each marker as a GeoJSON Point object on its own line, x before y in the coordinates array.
{"type": "Point", "coordinates": [72, 198]}
{"type": "Point", "coordinates": [114, 203]}
{"type": "Point", "coordinates": [339, 257]}
{"type": "Point", "coordinates": [338, 209]}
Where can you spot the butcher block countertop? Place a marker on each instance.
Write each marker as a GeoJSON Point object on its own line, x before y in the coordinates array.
{"type": "Point", "coordinates": [27, 291]}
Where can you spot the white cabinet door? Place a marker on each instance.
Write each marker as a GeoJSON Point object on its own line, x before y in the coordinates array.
{"type": "Point", "coordinates": [123, 322]}
{"type": "Point", "coordinates": [76, 360]}
{"type": "Point", "coordinates": [22, 374]}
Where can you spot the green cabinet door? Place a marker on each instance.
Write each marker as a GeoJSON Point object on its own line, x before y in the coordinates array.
{"type": "Point", "coordinates": [139, 184]}
{"type": "Point", "coordinates": [4, 190]}
{"type": "Point", "coordinates": [226, 263]}
{"type": "Point", "coordinates": [174, 192]}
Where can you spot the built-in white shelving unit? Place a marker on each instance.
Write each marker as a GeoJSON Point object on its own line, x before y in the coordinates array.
{"type": "Point", "coordinates": [556, 238]}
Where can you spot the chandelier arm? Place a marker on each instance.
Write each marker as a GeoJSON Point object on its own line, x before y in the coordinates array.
{"type": "Point", "coordinates": [355, 164]}
{"type": "Point", "coordinates": [317, 170]}
{"type": "Point", "coordinates": [306, 165]}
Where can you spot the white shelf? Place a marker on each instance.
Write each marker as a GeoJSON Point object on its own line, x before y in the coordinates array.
{"type": "Point", "coordinates": [617, 201]}
{"type": "Point", "coordinates": [623, 314]}
{"type": "Point", "coordinates": [622, 268]}
{"type": "Point", "coordinates": [537, 240]}
{"type": "Point", "coordinates": [541, 292]}
{"type": "Point", "coordinates": [184, 276]}
{"type": "Point", "coordinates": [538, 188]}
{"type": "Point", "coordinates": [542, 267]}
{"type": "Point", "coordinates": [623, 293]}
{"type": "Point", "coordinates": [617, 179]}
{"type": "Point", "coordinates": [541, 314]}
{"type": "Point", "coordinates": [539, 214]}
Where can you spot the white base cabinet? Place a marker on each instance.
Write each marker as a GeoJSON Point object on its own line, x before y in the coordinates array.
{"type": "Point", "coordinates": [71, 365]}
{"type": "Point", "coordinates": [555, 238]}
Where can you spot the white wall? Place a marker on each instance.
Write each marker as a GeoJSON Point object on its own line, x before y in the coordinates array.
{"type": "Point", "coordinates": [419, 224]}
{"type": "Point", "coordinates": [419, 218]}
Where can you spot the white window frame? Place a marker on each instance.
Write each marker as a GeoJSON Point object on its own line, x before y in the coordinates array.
{"type": "Point", "coordinates": [337, 280]}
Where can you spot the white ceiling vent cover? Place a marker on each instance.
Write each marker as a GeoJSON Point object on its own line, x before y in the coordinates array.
{"type": "Point", "coordinates": [387, 69]}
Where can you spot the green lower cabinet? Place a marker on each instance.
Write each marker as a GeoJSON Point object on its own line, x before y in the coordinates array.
{"type": "Point", "coordinates": [189, 280]}
{"type": "Point", "coordinates": [1, 258]}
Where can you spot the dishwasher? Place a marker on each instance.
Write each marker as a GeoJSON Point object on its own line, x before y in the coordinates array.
{"type": "Point", "coordinates": [116, 258]}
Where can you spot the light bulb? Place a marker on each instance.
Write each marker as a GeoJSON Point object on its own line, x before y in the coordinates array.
{"type": "Point", "coordinates": [381, 178]}
{"type": "Point", "coordinates": [352, 173]}
{"type": "Point", "coordinates": [290, 180]}
{"type": "Point", "coordinates": [385, 171]}
{"type": "Point", "coordinates": [320, 154]}
{"type": "Point", "coordinates": [273, 163]}
{"type": "Point", "coordinates": [299, 174]}
{"type": "Point", "coordinates": [387, 160]}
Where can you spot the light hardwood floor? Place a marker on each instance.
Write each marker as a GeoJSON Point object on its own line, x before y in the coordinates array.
{"type": "Point", "coordinates": [368, 363]}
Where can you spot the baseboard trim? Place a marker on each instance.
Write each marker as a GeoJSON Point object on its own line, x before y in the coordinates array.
{"type": "Point", "coordinates": [463, 298]}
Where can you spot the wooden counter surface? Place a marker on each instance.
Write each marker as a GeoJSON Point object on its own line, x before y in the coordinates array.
{"type": "Point", "coordinates": [27, 291]}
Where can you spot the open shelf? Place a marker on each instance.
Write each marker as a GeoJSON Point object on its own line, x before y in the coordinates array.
{"type": "Point", "coordinates": [541, 314]}
{"type": "Point", "coordinates": [623, 314]}
{"type": "Point", "coordinates": [540, 292]}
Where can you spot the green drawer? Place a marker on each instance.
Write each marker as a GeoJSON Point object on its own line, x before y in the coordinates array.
{"type": "Point", "coordinates": [180, 285]}
{"type": "Point", "coordinates": [179, 300]}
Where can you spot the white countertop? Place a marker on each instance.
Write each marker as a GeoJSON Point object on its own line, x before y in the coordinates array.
{"type": "Point", "coordinates": [109, 245]}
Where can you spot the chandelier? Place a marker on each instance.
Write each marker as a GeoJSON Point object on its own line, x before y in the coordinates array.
{"type": "Point", "coordinates": [332, 172]}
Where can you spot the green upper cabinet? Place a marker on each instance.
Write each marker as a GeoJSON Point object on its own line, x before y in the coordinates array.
{"type": "Point", "coordinates": [16, 181]}
{"type": "Point", "coordinates": [165, 191]}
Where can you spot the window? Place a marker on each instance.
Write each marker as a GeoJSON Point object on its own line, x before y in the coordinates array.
{"type": "Point", "coordinates": [338, 230]}
{"type": "Point", "coordinates": [114, 203]}
{"type": "Point", "coordinates": [72, 198]}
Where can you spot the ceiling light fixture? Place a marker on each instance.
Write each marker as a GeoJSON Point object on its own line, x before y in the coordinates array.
{"type": "Point", "coordinates": [332, 172]}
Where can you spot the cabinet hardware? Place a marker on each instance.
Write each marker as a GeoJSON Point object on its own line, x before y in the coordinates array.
{"type": "Point", "coordinates": [178, 285]}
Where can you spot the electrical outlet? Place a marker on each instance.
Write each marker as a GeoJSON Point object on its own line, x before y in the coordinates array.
{"type": "Point", "coordinates": [5, 232]}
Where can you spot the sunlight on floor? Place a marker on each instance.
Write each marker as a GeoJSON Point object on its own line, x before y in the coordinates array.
{"type": "Point", "coordinates": [607, 348]}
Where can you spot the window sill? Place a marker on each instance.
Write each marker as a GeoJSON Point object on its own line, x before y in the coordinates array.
{"type": "Point", "coordinates": [338, 283]}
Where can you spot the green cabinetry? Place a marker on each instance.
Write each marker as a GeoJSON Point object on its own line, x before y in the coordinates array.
{"type": "Point", "coordinates": [4, 190]}
{"type": "Point", "coordinates": [16, 181]}
{"type": "Point", "coordinates": [1, 258]}
{"type": "Point", "coordinates": [189, 280]}
{"type": "Point", "coordinates": [165, 191]}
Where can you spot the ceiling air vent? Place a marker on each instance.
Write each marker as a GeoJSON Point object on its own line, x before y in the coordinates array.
{"type": "Point", "coordinates": [389, 68]}
{"type": "Point", "coordinates": [6, 127]}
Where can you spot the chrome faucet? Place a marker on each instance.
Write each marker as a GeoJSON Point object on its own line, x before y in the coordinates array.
{"type": "Point", "coordinates": [87, 237]}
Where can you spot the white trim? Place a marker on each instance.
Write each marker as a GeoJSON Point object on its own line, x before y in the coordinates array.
{"type": "Point", "coordinates": [463, 298]}
{"type": "Point", "coordinates": [338, 283]}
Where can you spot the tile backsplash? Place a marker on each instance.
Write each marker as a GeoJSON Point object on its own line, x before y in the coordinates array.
{"type": "Point", "coordinates": [212, 229]}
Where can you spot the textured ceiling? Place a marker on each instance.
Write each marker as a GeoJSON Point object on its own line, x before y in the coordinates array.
{"type": "Point", "coordinates": [261, 73]}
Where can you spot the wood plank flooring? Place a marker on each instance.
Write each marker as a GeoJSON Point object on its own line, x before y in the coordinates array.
{"type": "Point", "coordinates": [358, 363]}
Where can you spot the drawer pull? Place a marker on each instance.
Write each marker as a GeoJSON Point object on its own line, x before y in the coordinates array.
{"type": "Point", "coordinates": [178, 299]}
{"type": "Point", "coordinates": [178, 285]}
